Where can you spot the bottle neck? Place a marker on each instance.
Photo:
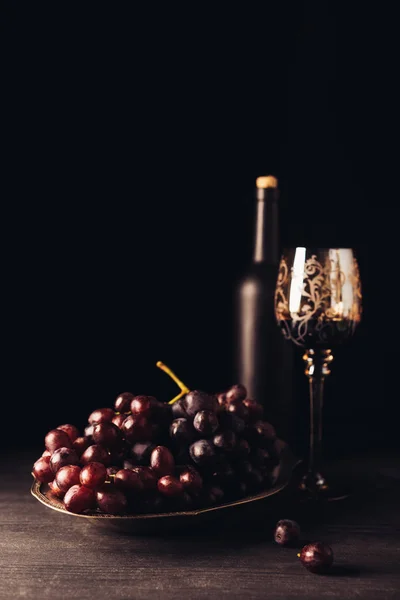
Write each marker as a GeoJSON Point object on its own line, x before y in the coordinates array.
{"type": "Point", "coordinates": [266, 248]}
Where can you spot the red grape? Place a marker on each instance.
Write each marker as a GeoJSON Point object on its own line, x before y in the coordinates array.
{"type": "Point", "coordinates": [101, 415]}
{"type": "Point", "coordinates": [118, 420]}
{"type": "Point", "coordinates": [137, 429]}
{"type": "Point", "coordinates": [205, 422]}
{"type": "Point", "coordinates": [197, 400]}
{"type": "Point", "coordinates": [93, 475]}
{"type": "Point", "coordinates": [236, 392]}
{"type": "Point", "coordinates": [88, 432]}
{"type": "Point", "coordinates": [95, 453]}
{"type": "Point", "coordinates": [42, 470]}
{"type": "Point", "coordinates": [67, 476]}
{"type": "Point", "coordinates": [111, 501]}
{"type": "Point", "coordinates": [46, 453]}
{"type": "Point", "coordinates": [79, 498]}
{"type": "Point", "coordinates": [62, 457]}
{"type": "Point", "coordinates": [142, 405]}
{"type": "Point", "coordinates": [127, 479]}
{"type": "Point", "coordinates": [170, 486]}
{"type": "Point", "coordinates": [122, 403]}
{"type": "Point", "coordinates": [55, 490]}
{"type": "Point", "coordinates": [147, 477]}
{"type": "Point", "coordinates": [317, 557]}
{"type": "Point", "coordinates": [57, 438]}
{"type": "Point", "coordinates": [182, 430]}
{"type": "Point", "coordinates": [70, 430]}
{"type": "Point", "coordinates": [226, 440]}
{"type": "Point", "coordinates": [80, 445]}
{"type": "Point", "coordinates": [236, 407]}
{"type": "Point", "coordinates": [287, 532]}
{"type": "Point", "coordinates": [202, 452]}
{"type": "Point", "coordinates": [161, 461]}
{"type": "Point", "coordinates": [191, 480]}
{"type": "Point", "coordinates": [107, 434]}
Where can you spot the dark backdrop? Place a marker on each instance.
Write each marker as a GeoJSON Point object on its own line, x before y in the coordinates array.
{"type": "Point", "coordinates": [133, 140]}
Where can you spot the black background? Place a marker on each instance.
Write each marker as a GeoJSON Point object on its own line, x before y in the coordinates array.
{"type": "Point", "coordinates": [133, 139]}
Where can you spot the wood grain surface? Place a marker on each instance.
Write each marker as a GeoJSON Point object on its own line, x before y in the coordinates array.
{"type": "Point", "coordinates": [45, 554]}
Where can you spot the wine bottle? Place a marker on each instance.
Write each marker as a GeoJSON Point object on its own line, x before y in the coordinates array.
{"type": "Point", "coordinates": [263, 358]}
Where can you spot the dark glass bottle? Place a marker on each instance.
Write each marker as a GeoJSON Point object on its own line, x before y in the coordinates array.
{"type": "Point", "coordinates": [263, 358]}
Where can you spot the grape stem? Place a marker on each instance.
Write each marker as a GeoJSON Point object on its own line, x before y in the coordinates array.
{"type": "Point", "coordinates": [184, 390]}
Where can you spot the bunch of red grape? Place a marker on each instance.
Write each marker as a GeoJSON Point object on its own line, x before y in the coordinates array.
{"type": "Point", "coordinates": [146, 456]}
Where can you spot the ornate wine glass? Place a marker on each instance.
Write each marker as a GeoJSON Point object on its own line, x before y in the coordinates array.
{"type": "Point", "coordinates": [318, 305]}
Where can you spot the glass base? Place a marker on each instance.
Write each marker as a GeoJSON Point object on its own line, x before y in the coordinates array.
{"type": "Point", "coordinates": [314, 486]}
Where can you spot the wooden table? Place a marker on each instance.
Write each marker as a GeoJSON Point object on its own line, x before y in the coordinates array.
{"type": "Point", "coordinates": [45, 554]}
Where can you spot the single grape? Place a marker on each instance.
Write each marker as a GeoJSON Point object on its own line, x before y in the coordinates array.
{"type": "Point", "coordinates": [141, 452]}
{"type": "Point", "coordinates": [128, 480]}
{"type": "Point", "coordinates": [191, 480]}
{"type": "Point", "coordinates": [317, 557]}
{"type": "Point", "coordinates": [62, 457]}
{"type": "Point", "coordinates": [46, 453]}
{"type": "Point", "coordinates": [111, 501]}
{"type": "Point", "coordinates": [88, 432]}
{"type": "Point", "coordinates": [101, 415]}
{"type": "Point", "coordinates": [170, 486]}
{"type": "Point", "coordinates": [236, 392]}
{"type": "Point", "coordinates": [142, 405]}
{"type": "Point", "coordinates": [107, 434]}
{"type": "Point", "coordinates": [225, 441]}
{"type": "Point", "coordinates": [148, 478]}
{"type": "Point", "coordinates": [287, 532]}
{"type": "Point", "coordinates": [57, 438]}
{"type": "Point", "coordinates": [137, 429]}
{"type": "Point", "coordinates": [221, 399]}
{"type": "Point", "coordinates": [196, 400]}
{"type": "Point", "coordinates": [236, 407]}
{"type": "Point", "coordinates": [118, 420]}
{"type": "Point", "coordinates": [80, 445]}
{"type": "Point", "coordinates": [178, 410]}
{"type": "Point", "coordinates": [181, 431]}
{"type": "Point", "coordinates": [95, 453]}
{"type": "Point", "coordinates": [202, 452]}
{"type": "Point", "coordinates": [42, 470]}
{"type": "Point", "coordinates": [264, 433]}
{"type": "Point", "coordinates": [93, 475]}
{"type": "Point", "coordinates": [161, 461]}
{"type": "Point", "coordinates": [55, 490]}
{"type": "Point", "coordinates": [70, 430]}
{"type": "Point", "coordinates": [79, 498]}
{"type": "Point", "coordinates": [122, 403]}
{"type": "Point", "coordinates": [206, 422]}
{"type": "Point", "coordinates": [67, 476]}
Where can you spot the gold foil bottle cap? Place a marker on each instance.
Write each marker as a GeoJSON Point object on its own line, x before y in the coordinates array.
{"type": "Point", "coordinates": [269, 181]}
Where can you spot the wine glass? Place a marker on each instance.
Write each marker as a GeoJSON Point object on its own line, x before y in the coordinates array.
{"type": "Point", "coordinates": [318, 305]}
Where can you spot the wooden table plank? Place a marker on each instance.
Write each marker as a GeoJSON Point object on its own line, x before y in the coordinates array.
{"type": "Point", "coordinates": [44, 554]}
